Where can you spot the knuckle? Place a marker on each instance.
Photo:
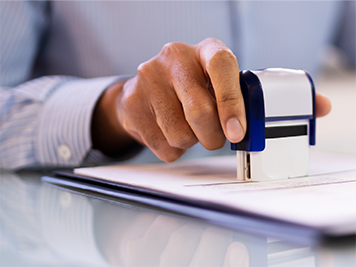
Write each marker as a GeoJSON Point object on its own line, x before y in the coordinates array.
{"type": "Point", "coordinates": [172, 154]}
{"type": "Point", "coordinates": [198, 112]}
{"type": "Point", "coordinates": [160, 147]}
{"type": "Point", "coordinates": [182, 140]}
{"type": "Point", "coordinates": [173, 49]}
{"type": "Point", "coordinates": [222, 58]}
{"type": "Point", "coordinates": [150, 74]}
{"type": "Point", "coordinates": [218, 143]}
{"type": "Point", "coordinates": [144, 69]}
{"type": "Point", "coordinates": [212, 40]}
{"type": "Point", "coordinates": [229, 99]}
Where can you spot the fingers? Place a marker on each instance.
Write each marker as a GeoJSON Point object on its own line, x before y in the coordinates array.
{"type": "Point", "coordinates": [170, 118]}
{"type": "Point", "coordinates": [199, 106]}
{"type": "Point", "coordinates": [183, 95]}
{"type": "Point", "coordinates": [138, 117]}
{"type": "Point", "coordinates": [221, 66]}
{"type": "Point", "coordinates": [323, 105]}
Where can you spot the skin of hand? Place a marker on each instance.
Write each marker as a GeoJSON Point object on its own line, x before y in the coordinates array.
{"type": "Point", "coordinates": [184, 95]}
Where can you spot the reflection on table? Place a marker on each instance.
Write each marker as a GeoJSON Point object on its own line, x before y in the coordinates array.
{"type": "Point", "coordinates": [45, 225]}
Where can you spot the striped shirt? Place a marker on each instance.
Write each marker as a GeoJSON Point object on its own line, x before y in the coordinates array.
{"type": "Point", "coordinates": [57, 58]}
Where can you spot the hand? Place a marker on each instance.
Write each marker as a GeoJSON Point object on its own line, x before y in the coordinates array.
{"type": "Point", "coordinates": [185, 94]}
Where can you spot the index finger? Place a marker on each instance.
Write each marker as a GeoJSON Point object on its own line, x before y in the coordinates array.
{"type": "Point", "coordinates": [221, 66]}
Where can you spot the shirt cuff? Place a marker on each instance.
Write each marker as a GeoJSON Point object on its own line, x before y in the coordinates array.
{"type": "Point", "coordinates": [63, 137]}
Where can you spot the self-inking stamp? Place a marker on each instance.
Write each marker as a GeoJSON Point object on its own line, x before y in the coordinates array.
{"type": "Point", "coordinates": [280, 113]}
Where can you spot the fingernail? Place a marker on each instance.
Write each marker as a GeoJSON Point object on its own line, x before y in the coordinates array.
{"type": "Point", "coordinates": [234, 130]}
{"type": "Point", "coordinates": [237, 255]}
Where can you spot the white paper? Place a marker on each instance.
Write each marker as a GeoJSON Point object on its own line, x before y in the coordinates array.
{"type": "Point", "coordinates": [325, 198]}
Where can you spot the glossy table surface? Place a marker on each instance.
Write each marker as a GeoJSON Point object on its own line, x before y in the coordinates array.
{"type": "Point", "coordinates": [45, 225]}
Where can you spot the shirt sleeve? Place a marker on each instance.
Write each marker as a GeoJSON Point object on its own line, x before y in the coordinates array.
{"type": "Point", "coordinates": [46, 121]}
{"type": "Point", "coordinates": [43, 121]}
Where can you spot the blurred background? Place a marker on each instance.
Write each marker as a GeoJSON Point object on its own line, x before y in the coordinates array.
{"type": "Point", "coordinates": [337, 80]}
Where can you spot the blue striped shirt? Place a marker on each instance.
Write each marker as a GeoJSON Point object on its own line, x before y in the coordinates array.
{"type": "Point", "coordinates": [57, 58]}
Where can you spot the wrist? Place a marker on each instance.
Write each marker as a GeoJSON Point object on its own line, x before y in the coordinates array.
{"type": "Point", "coordinates": [107, 133]}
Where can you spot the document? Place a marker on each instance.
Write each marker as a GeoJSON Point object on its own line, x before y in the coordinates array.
{"type": "Point", "coordinates": [324, 199]}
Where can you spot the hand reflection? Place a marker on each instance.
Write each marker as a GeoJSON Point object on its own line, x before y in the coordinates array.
{"type": "Point", "coordinates": [159, 240]}
{"type": "Point", "coordinates": [42, 225]}
{"type": "Point", "coordinates": [69, 229]}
